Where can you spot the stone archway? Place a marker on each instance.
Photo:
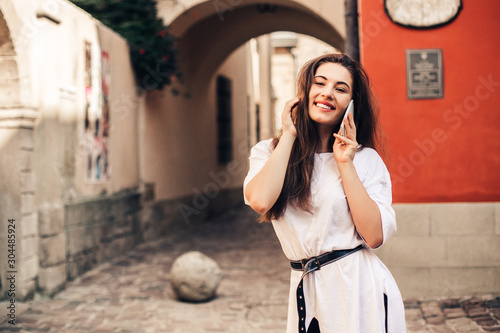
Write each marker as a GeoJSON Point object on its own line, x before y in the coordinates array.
{"type": "Point", "coordinates": [179, 149]}
{"type": "Point", "coordinates": [9, 73]}
{"type": "Point", "coordinates": [220, 27]}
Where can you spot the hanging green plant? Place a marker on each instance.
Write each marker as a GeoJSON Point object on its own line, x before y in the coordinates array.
{"type": "Point", "coordinates": [152, 50]}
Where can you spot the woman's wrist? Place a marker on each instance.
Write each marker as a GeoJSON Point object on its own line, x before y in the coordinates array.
{"type": "Point", "coordinates": [288, 136]}
{"type": "Point", "coordinates": [345, 166]}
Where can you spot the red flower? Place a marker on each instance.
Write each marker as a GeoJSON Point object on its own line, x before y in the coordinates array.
{"type": "Point", "coordinates": [142, 51]}
{"type": "Point", "coordinates": [162, 33]}
{"type": "Point", "coordinates": [165, 57]}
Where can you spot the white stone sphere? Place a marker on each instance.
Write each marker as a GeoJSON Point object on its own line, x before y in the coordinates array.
{"type": "Point", "coordinates": [195, 277]}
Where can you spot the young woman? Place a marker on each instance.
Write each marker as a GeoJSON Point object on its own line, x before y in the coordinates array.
{"type": "Point", "coordinates": [329, 199]}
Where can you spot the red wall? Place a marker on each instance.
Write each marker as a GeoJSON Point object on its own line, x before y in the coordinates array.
{"type": "Point", "coordinates": [445, 149]}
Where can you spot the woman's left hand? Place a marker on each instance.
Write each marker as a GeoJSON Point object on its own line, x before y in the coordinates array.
{"type": "Point", "coordinates": [344, 147]}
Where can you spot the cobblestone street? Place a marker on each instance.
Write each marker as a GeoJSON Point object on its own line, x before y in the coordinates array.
{"type": "Point", "coordinates": [132, 293]}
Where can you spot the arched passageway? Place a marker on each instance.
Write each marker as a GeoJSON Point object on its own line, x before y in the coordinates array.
{"type": "Point", "coordinates": [180, 134]}
{"type": "Point", "coordinates": [206, 42]}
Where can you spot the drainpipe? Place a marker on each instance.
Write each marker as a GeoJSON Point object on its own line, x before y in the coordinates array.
{"type": "Point", "coordinates": [352, 33]}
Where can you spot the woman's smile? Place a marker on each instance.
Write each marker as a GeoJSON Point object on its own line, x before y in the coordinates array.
{"type": "Point", "coordinates": [330, 94]}
{"type": "Point", "coordinates": [324, 105]}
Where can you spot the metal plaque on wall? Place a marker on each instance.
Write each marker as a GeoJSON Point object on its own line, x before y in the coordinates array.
{"type": "Point", "coordinates": [424, 73]}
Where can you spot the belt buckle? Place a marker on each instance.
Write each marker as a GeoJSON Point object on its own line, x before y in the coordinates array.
{"type": "Point", "coordinates": [305, 262]}
{"type": "Point", "coordinates": [317, 262]}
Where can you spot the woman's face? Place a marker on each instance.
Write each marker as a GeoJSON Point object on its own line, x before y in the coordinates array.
{"type": "Point", "coordinates": [330, 94]}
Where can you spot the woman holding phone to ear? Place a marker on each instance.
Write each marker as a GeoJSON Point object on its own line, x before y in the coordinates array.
{"type": "Point", "coordinates": [329, 199]}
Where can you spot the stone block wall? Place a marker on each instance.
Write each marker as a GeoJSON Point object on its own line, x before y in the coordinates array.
{"type": "Point", "coordinates": [52, 250]}
{"type": "Point", "coordinates": [449, 249]}
{"type": "Point", "coordinates": [18, 217]}
{"type": "Point", "coordinates": [80, 235]}
{"type": "Point", "coordinates": [100, 229]}
{"type": "Point", "coordinates": [28, 233]}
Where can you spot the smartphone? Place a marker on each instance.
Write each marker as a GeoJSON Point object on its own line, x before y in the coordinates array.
{"type": "Point", "coordinates": [350, 109]}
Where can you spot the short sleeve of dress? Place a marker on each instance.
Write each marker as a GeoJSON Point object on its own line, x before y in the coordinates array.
{"type": "Point", "coordinates": [377, 183]}
{"type": "Point", "coordinates": [259, 155]}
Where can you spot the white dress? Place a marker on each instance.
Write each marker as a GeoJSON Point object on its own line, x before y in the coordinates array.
{"type": "Point", "coordinates": [346, 296]}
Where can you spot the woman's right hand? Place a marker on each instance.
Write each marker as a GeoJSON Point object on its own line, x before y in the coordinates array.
{"type": "Point", "coordinates": [289, 116]}
{"type": "Point", "coordinates": [264, 189]}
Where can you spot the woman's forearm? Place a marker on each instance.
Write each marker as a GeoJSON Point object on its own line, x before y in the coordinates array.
{"type": "Point", "coordinates": [364, 210]}
{"type": "Point", "coordinates": [264, 189]}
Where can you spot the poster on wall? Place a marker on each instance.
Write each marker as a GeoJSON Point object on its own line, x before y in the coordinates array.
{"type": "Point", "coordinates": [96, 125]}
{"type": "Point", "coordinates": [105, 83]}
{"type": "Point", "coordinates": [424, 73]}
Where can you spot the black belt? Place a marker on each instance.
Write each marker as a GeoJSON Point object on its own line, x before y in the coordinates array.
{"type": "Point", "coordinates": [310, 265]}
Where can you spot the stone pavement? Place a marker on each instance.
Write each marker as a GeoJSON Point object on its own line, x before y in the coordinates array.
{"type": "Point", "coordinates": [132, 293]}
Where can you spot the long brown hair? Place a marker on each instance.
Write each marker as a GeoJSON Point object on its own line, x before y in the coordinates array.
{"type": "Point", "coordinates": [297, 184]}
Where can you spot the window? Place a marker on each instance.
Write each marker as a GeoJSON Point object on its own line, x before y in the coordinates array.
{"type": "Point", "coordinates": [224, 121]}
